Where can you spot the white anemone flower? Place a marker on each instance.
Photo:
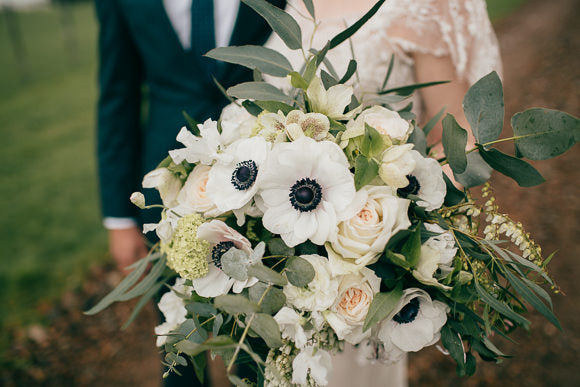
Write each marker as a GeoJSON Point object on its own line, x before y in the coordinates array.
{"type": "Point", "coordinates": [173, 309]}
{"type": "Point", "coordinates": [426, 182]}
{"type": "Point", "coordinates": [222, 238]}
{"type": "Point", "coordinates": [312, 361]}
{"type": "Point", "coordinates": [231, 185]}
{"type": "Point", "coordinates": [305, 191]}
{"type": "Point", "coordinates": [204, 149]}
{"type": "Point", "coordinates": [331, 102]}
{"type": "Point", "coordinates": [415, 323]}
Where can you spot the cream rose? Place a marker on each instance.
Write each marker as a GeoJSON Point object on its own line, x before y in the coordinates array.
{"type": "Point", "coordinates": [348, 313]}
{"type": "Point", "coordinates": [396, 164]}
{"type": "Point", "coordinates": [375, 216]}
{"type": "Point", "coordinates": [193, 195]}
{"type": "Point", "coordinates": [385, 121]}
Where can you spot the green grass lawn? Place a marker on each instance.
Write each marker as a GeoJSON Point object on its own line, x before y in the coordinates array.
{"type": "Point", "coordinates": [50, 229]}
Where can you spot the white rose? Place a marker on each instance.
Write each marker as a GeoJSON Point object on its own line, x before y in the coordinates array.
{"type": "Point", "coordinates": [396, 164]}
{"type": "Point", "coordinates": [166, 183]}
{"type": "Point", "coordinates": [193, 195]}
{"type": "Point", "coordinates": [321, 291]}
{"type": "Point", "coordinates": [385, 121]}
{"type": "Point", "coordinates": [348, 313]}
{"type": "Point", "coordinates": [375, 216]}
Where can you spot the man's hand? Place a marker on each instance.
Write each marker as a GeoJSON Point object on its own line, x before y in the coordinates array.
{"type": "Point", "coordinates": [127, 246]}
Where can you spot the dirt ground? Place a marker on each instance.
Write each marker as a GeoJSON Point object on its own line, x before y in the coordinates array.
{"type": "Point", "coordinates": [540, 44]}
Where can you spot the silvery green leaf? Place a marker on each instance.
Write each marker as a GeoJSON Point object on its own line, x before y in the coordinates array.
{"type": "Point", "coordinates": [418, 139]}
{"type": "Point", "coordinates": [433, 121]}
{"type": "Point", "coordinates": [201, 309]}
{"type": "Point", "coordinates": [282, 23]}
{"type": "Point", "coordinates": [278, 247]}
{"type": "Point", "coordinates": [234, 304]}
{"type": "Point", "coordinates": [274, 106]}
{"type": "Point", "coordinates": [519, 170]}
{"type": "Point", "coordinates": [344, 35]}
{"type": "Point", "coordinates": [267, 275]}
{"type": "Point", "coordinates": [327, 80]}
{"type": "Point", "coordinates": [484, 108]}
{"type": "Point", "coordinates": [476, 173]}
{"type": "Point", "coordinates": [500, 306]}
{"type": "Point", "coordinates": [454, 140]}
{"type": "Point", "coordinates": [268, 329]}
{"type": "Point", "coordinates": [235, 263]}
{"type": "Point", "coordinates": [261, 91]}
{"type": "Point", "coordinates": [388, 99]}
{"type": "Point", "coordinates": [174, 358]}
{"type": "Point", "coordinates": [272, 300]}
{"type": "Point", "coordinates": [264, 59]}
{"type": "Point", "coordinates": [217, 324]}
{"type": "Point", "coordinates": [299, 271]}
{"type": "Point", "coordinates": [409, 89]}
{"type": "Point", "coordinates": [546, 133]}
{"type": "Point", "coordinates": [365, 170]}
{"type": "Point", "coordinates": [310, 7]}
{"type": "Point", "coordinates": [383, 304]}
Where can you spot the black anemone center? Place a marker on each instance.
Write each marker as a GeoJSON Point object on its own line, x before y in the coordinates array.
{"type": "Point", "coordinates": [408, 313]}
{"type": "Point", "coordinates": [244, 175]}
{"type": "Point", "coordinates": [218, 251]}
{"type": "Point", "coordinates": [305, 195]}
{"type": "Point", "coordinates": [411, 189]}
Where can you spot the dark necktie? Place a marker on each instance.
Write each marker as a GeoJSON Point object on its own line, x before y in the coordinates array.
{"type": "Point", "coordinates": [202, 33]}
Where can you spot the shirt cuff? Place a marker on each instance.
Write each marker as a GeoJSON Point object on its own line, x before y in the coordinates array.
{"type": "Point", "coordinates": [111, 223]}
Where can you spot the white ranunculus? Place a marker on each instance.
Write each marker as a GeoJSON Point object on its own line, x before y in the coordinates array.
{"type": "Point", "coordinates": [173, 308]}
{"type": "Point", "coordinates": [429, 185]}
{"type": "Point", "coordinates": [235, 121]}
{"type": "Point", "coordinates": [331, 102]}
{"type": "Point", "coordinates": [292, 326]}
{"type": "Point", "coordinates": [232, 185]}
{"type": "Point", "coordinates": [385, 121]}
{"type": "Point", "coordinates": [436, 253]}
{"type": "Point", "coordinates": [397, 162]}
{"type": "Point", "coordinates": [306, 189]}
{"type": "Point", "coordinates": [375, 216]}
{"type": "Point", "coordinates": [415, 323]}
{"type": "Point", "coordinates": [314, 361]}
{"type": "Point", "coordinates": [204, 149]}
{"type": "Point", "coordinates": [193, 195]}
{"type": "Point", "coordinates": [348, 313]}
{"type": "Point", "coordinates": [164, 181]}
{"type": "Point", "coordinates": [321, 291]}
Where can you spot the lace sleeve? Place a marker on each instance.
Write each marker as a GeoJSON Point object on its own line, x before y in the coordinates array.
{"type": "Point", "coordinates": [458, 28]}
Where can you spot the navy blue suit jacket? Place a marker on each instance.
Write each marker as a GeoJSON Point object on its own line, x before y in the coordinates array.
{"type": "Point", "coordinates": [146, 80]}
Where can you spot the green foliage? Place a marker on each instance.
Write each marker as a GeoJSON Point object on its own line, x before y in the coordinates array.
{"type": "Point", "coordinates": [484, 108]}
{"type": "Point", "coordinates": [344, 35]}
{"type": "Point", "coordinates": [365, 170]}
{"type": "Point", "coordinates": [260, 58]}
{"type": "Point", "coordinates": [454, 141]}
{"type": "Point", "coordinates": [543, 133]}
{"type": "Point", "coordinates": [235, 264]}
{"type": "Point", "coordinates": [260, 91]}
{"type": "Point", "coordinates": [310, 7]}
{"type": "Point", "coordinates": [267, 275]}
{"type": "Point", "coordinates": [282, 24]}
{"type": "Point", "coordinates": [274, 106]}
{"type": "Point", "coordinates": [265, 326]}
{"type": "Point", "coordinates": [299, 271]}
{"type": "Point", "coordinates": [407, 90]}
{"type": "Point", "coordinates": [351, 69]}
{"type": "Point", "coordinates": [412, 247]}
{"type": "Point", "coordinates": [523, 173]}
{"type": "Point", "coordinates": [234, 304]}
{"type": "Point", "coordinates": [373, 143]}
{"type": "Point", "coordinates": [191, 126]}
{"type": "Point", "coordinates": [382, 306]}
{"type": "Point", "coordinates": [276, 246]}
{"type": "Point", "coordinates": [272, 299]}
{"type": "Point", "coordinates": [476, 173]}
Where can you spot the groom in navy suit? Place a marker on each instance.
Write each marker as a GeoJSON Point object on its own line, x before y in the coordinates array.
{"type": "Point", "coordinates": [151, 69]}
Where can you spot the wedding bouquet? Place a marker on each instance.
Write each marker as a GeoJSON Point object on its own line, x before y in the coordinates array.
{"type": "Point", "coordinates": [307, 219]}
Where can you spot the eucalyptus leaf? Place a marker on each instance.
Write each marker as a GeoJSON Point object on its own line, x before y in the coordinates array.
{"type": "Point", "coordinates": [389, 71]}
{"type": "Point", "coordinates": [260, 58]}
{"type": "Point", "coordinates": [310, 7]}
{"type": "Point", "coordinates": [142, 302]}
{"type": "Point", "coordinates": [235, 263]}
{"type": "Point", "coordinates": [519, 170]}
{"type": "Point", "coordinates": [234, 304]}
{"type": "Point", "coordinates": [276, 246]}
{"type": "Point", "coordinates": [409, 89]}
{"type": "Point", "coordinates": [452, 342]}
{"type": "Point", "coordinates": [267, 275]}
{"type": "Point", "coordinates": [545, 133]}
{"type": "Point", "coordinates": [501, 307]}
{"type": "Point", "coordinates": [344, 35]}
{"type": "Point", "coordinates": [275, 106]}
{"type": "Point", "coordinates": [453, 195]}
{"type": "Point", "coordinates": [282, 23]}
{"type": "Point", "coordinates": [299, 271]}
{"type": "Point", "coordinates": [476, 173]}
{"type": "Point", "coordinates": [147, 282]}
{"type": "Point", "coordinates": [217, 324]}
{"type": "Point", "coordinates": [327, 80]}
{"type": "Point", "coordinates": [268, 329]}
{"type": "Point", "coordinates": [273, 299]}
{"type": "Point", "coordinates": [365, 170]}
{"type": "Point", "coordinates": [261, 91]}
{"type": "Point", "coordinates": [174, 358]}
{"type": "Point", "coordinates": [484, 108]}
{"type": "Point", "coordinates": [433, 121]}
{"type": "Point", "coordinates": [349, 71]}
{"type": "Point", "coordinates": [418, 139]}
{"type": "Point", "coordinates": [454, 141]}
{"type": "Point", "coordinates": [201, 309]}
{"type": "Point", "coordinates": [383, 305]}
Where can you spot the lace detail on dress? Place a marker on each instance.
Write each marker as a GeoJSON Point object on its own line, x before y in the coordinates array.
{"type": "Point", "coordinates": [458, 28]}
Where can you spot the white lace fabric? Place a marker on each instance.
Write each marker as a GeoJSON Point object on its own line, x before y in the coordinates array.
{"type": "Point", "coordinates": [459, 29]}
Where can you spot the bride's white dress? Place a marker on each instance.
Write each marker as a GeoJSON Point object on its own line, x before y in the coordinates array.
{"type": "Point", "coordinates": [459, 29]}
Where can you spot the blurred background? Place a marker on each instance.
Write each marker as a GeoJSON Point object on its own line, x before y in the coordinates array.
{"type": "Point", "coordinates": [53, 249]}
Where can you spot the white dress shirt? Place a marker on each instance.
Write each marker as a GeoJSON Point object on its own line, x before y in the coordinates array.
{"type": "Point", "coordinates": [179, 13]}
